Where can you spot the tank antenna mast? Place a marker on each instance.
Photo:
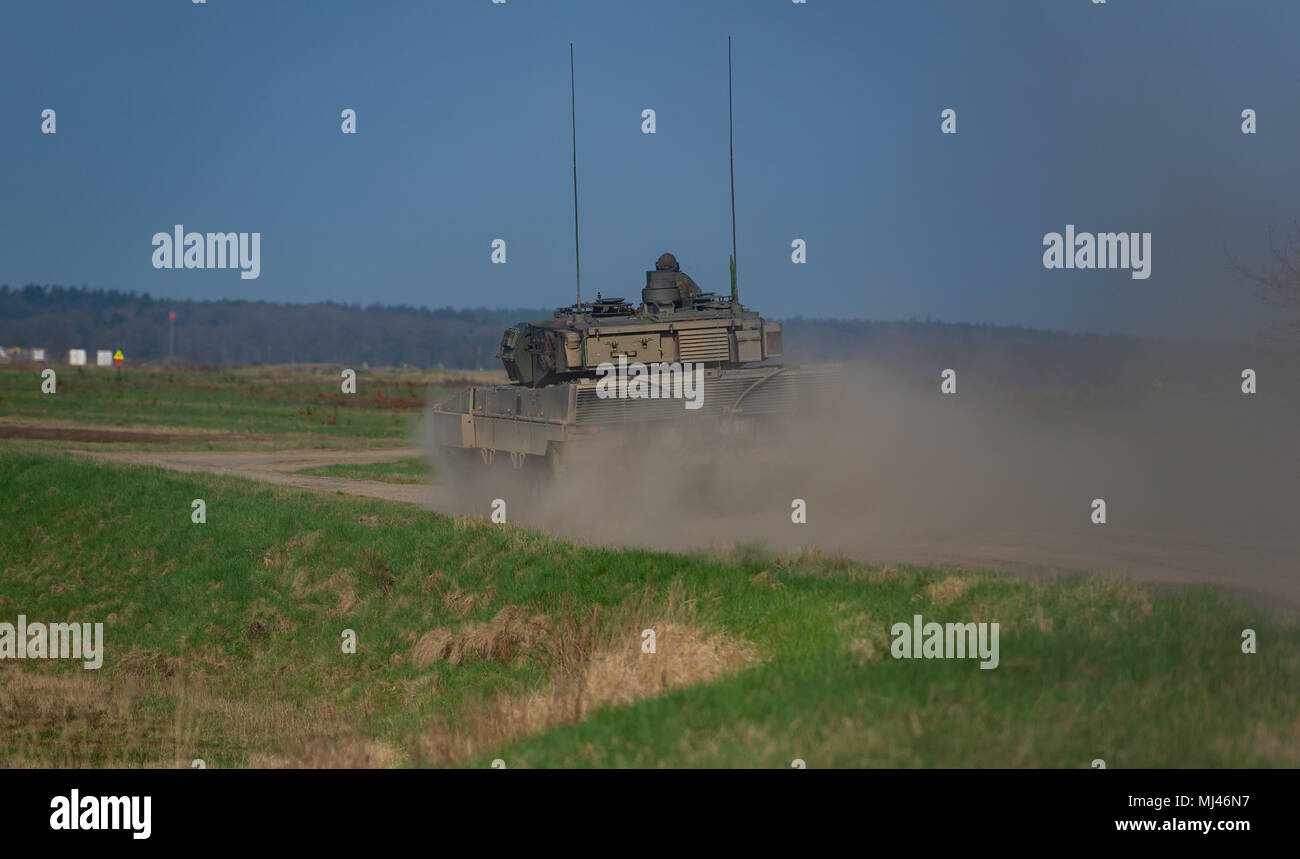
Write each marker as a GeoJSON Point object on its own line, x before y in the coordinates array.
{"type": "Point", "coordinates": [731, 155]}
{"type": "Point", "coordinates": [577, 261]}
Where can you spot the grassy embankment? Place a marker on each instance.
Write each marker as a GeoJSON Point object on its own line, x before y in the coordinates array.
{"type": "Point", "coordinates": [479, 641]}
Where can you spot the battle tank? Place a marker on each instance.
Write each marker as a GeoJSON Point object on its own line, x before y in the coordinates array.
{"type": "Point", "coordinates": [682, 380]}
{"type": "Point", "coordinates": [610, 374]}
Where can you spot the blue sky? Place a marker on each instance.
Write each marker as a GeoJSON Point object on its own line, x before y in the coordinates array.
{"type": "Point", "coordinates": [225, 117]}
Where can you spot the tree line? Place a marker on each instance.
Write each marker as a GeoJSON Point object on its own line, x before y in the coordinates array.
{"type": "Point", "coordinates": [226, 332]}
{"type": "Point", "coordinates": [59, 318]}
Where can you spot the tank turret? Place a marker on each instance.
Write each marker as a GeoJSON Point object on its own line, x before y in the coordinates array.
{"type": "Point", "coordinates": [674, 322]}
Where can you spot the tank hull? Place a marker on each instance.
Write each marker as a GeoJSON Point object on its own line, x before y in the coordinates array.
{"type": "Point", "coordinates": [549, 426]}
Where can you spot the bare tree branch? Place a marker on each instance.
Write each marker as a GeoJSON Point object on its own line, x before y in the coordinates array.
{"type": "Point", "coordinates": [1279, 283]}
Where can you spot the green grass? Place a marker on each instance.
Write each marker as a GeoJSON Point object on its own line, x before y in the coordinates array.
{"type": "Point", "coordinates": [304, 403]}
{"type": "Point", "coordinates": [223, 643]}
{"type": "Point", "coordinates": [407, 470]}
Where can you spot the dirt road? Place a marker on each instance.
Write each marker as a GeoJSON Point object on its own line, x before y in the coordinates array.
{"type": "Point", "coordinates": [1263, 569]}
{"type": "Point", "coordinates": [19, 428]}
{"type": "Point", "coordinates": [280, 467]}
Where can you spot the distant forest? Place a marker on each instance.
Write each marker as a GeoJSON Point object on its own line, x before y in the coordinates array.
{"type": "Point", "coordinates": [248, 332]}
{"type": "Point", "coordinates": [59, 318]}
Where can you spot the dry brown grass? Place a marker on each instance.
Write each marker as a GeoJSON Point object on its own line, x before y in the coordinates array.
{"type": "Point", "coordinates": [464, 602]}
{"type": "Point", "coordinates": [143, 664]}
{"type": "Point", "coordinates": [1099, 598]}
{"type": "Point", "coordinates": [93, 718]}
{"type": "Point", "coordinates": [868, 640]}
{"type": "Point", "coordinates": [1281, 744]}
{"type": "Point", "coordinates": [332, 752]}
{"type": "Point", "coordinates": [684, 655]}
{"type": "Point", "coordinates": [886, 573]}
{"type": "Point", "coordinates": [285, 554]}
{"type": "Point", "coordinates": [339, 584]}
{"type": "Point", "coordinates": [32, 700]}
{"type": "Point", "coordinates": [597, 660]}
{"type": "Point", "coordinates": [497, 640]}
{"type": "Point", "coordinates": [950, 589]}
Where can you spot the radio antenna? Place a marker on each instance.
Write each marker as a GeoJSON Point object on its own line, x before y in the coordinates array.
{"type": "Point", "coordinates": [577, 260]}
{"type": "Point", "coordinates": [731, 155]}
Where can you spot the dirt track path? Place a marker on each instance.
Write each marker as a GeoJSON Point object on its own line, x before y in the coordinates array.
{"type": "Point", "coordinates": [1267, 571]}
{"type": "Point", "coordinates": [12, 426]}
{"type": "Point", "coordinates": [279, 467]}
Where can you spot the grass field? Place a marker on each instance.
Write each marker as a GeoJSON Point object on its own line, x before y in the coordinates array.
{"type": "Point", "coordinates": [408, 470]}
{"type": "Point", "coordinates": [479, 641]}
{"type": "Point", "coordinates": [294, 405]}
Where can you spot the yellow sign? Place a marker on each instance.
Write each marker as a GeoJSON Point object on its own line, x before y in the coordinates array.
{"type": "Point", "coordinates": [117, 356]}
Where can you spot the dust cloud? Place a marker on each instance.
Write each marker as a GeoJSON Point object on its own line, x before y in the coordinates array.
{"type": "Point", "coordinates": [1199, 479]}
